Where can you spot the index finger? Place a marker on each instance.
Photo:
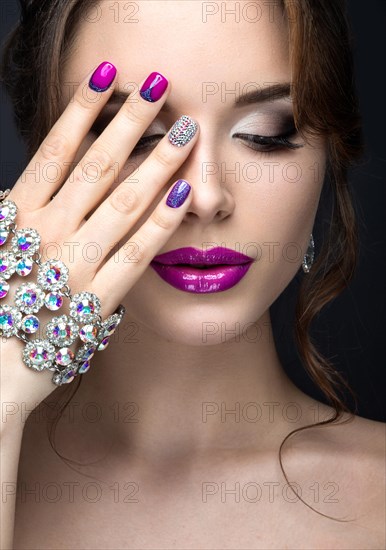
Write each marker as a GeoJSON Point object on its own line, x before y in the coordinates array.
{"type": "Point", "coordinates": [58, 150]}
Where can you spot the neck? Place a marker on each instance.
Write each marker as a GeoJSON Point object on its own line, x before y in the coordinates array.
{"type": "Point", "coordinates": [166, 399]}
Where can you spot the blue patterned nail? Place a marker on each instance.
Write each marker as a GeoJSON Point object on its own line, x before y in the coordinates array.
{"type": "Point", "coordinates": [153, 87]}
{"type": "Point", "coordinates": [178, 194]}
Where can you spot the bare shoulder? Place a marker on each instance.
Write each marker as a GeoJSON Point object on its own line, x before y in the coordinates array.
{"type": "Point", "coordinates": [353, 452]}
{"type": "Point", "coordinates": [366, 443]}
{"type": "Point", "coordinates": [360, 437]}
{"type": "Point", "coordinates": [365, 439]}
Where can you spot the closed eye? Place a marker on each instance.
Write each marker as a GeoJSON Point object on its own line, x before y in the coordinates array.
{"type": "Point", "coordinates": [267, 144]}
{"type": "Point", "coordinates": [143, 144]}
{"type": "Point", "coordinates": [146, 143]}
{"type": "Point", "coordinates": [263, 144]}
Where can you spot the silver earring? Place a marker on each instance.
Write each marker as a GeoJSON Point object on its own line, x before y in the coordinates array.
{"type": "Point", "coordinates": [308, 258]}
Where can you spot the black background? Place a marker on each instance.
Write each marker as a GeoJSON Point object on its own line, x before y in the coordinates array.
{"type": "Point", "coordinates": [351, 330]}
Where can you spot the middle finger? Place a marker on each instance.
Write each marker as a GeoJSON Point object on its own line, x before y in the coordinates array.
{"type": "Point", "coordinates": [97, 170]}
{"type": "Point", "coordinates": [124, 206]}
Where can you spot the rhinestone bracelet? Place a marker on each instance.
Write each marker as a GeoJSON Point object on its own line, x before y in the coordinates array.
{"type": "Point", "coordinates": [83, 326]}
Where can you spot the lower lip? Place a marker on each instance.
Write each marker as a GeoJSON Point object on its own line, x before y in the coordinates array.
{"type": "Point", "coordinates": [201, 281]}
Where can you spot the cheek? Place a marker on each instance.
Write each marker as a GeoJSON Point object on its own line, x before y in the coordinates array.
{"type": "Point", "coordinates": [279, 211]}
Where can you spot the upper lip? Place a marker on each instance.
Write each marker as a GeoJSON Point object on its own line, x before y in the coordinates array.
{"type": "Point", "coordinates": [194, 256]}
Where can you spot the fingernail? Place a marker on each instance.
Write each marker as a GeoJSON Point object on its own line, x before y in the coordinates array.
{"type": "Point", "coordinates": [153, 87]}
{"type": "Point", "coordinates": [182, 131]}
{"type": "Point", "coordinates": [102, 77]}
{"type": "Point", "coordinates": [178, 194]}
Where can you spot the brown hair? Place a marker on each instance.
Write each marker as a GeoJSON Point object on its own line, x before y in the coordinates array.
{"type": "Point", "coordinates": [324, 101]}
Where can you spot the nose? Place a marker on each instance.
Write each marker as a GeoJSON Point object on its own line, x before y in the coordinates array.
{"type": "Point", "coordinates": [212, 201]}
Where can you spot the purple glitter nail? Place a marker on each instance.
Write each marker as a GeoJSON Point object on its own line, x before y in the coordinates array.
{"type": "Point", "coordinates": [178, 194]}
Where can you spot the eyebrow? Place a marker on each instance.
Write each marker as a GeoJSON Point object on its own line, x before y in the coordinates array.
{"type": "Point", "coordinates": [257, 95]}
{"type": "Point", "coordinates": [268, 93]}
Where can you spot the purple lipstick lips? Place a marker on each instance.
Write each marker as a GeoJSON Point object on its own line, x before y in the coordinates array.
{"type": "Point", "coordinates": [193, 270]}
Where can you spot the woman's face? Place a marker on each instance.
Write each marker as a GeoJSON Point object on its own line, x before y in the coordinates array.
{"type": "Point", "coordinates": [258, 202]}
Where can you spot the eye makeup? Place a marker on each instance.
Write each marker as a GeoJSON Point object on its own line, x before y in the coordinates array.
{"type": "Point", "coordinates": [268, 131]}
{"type": "Point", "coordinates": [263, 132]}
{"type": "Point", "coordinates": [267, 144]}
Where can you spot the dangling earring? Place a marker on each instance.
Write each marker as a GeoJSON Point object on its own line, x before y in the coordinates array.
{"type": "Point", "coordinates": [309, 256]}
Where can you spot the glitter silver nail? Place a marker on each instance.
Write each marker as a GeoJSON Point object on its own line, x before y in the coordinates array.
{"type": "Point", "coordinates": [182, 131]}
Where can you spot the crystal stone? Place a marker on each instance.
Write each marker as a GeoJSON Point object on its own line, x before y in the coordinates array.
{"type": "Point", "coordinates": [65, 376]}
{"type": "Point", "coordinates": [7, 264]}
{"type": "Point", "coordinates": [88, 333]}
{"type": "Point", "coordinates": [64, 356]}
{"type": "Point", "coordinates": [29, 297]}
{"type": "Point", "coordinates": [26, 240]}
{"type": "Point", "coordinates": [10, 320]}
{"type": "Point", "coordinates": [8, 211]}
{"type": "Point", "coordinates": [52, 275]}
{"type": "Point", "coordinates": [39, 354]}
{"type": "Point", "coordinates": [30, 324]}
{"type": "Point", "coordinates": [53, 300]}
{"type": "Point", "coordinates": [85, 306]}
{"type": "Point", "coordinates": [110, 324]}
{"type": "Point", "coordinates": [3, 235]}
{"type": "Point", "coordinates": [85, 353]}
{"type": "Point", "coordinates": [62, 330]}
{"type": "Point", "coordinates": [24, 267]}
{"type": "Point", "coordinates": [4, 287]}
{"type": "Point", "coordinates": [104, 343]}
{"type": "Point", "coordinates": [84, 367]}
{"type": "Point", "coordinates": [68, 376]}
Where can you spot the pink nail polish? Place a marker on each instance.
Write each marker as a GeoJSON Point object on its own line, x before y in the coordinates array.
{"type": "Point", "coordinates": [153, 87]}
{"type": "Point", "coordinates": [102, 77]}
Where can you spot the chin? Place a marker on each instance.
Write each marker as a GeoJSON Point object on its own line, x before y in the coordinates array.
{"type": "Point", "coordinates": [195, 319]}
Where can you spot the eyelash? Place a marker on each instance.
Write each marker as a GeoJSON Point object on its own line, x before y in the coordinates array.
{"type": "Point", "coordinates": [142, 145]}
{"type": "Point", "coordinates": [262, 144]}
{"type": "Point", "coordinates": [267, 144]}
